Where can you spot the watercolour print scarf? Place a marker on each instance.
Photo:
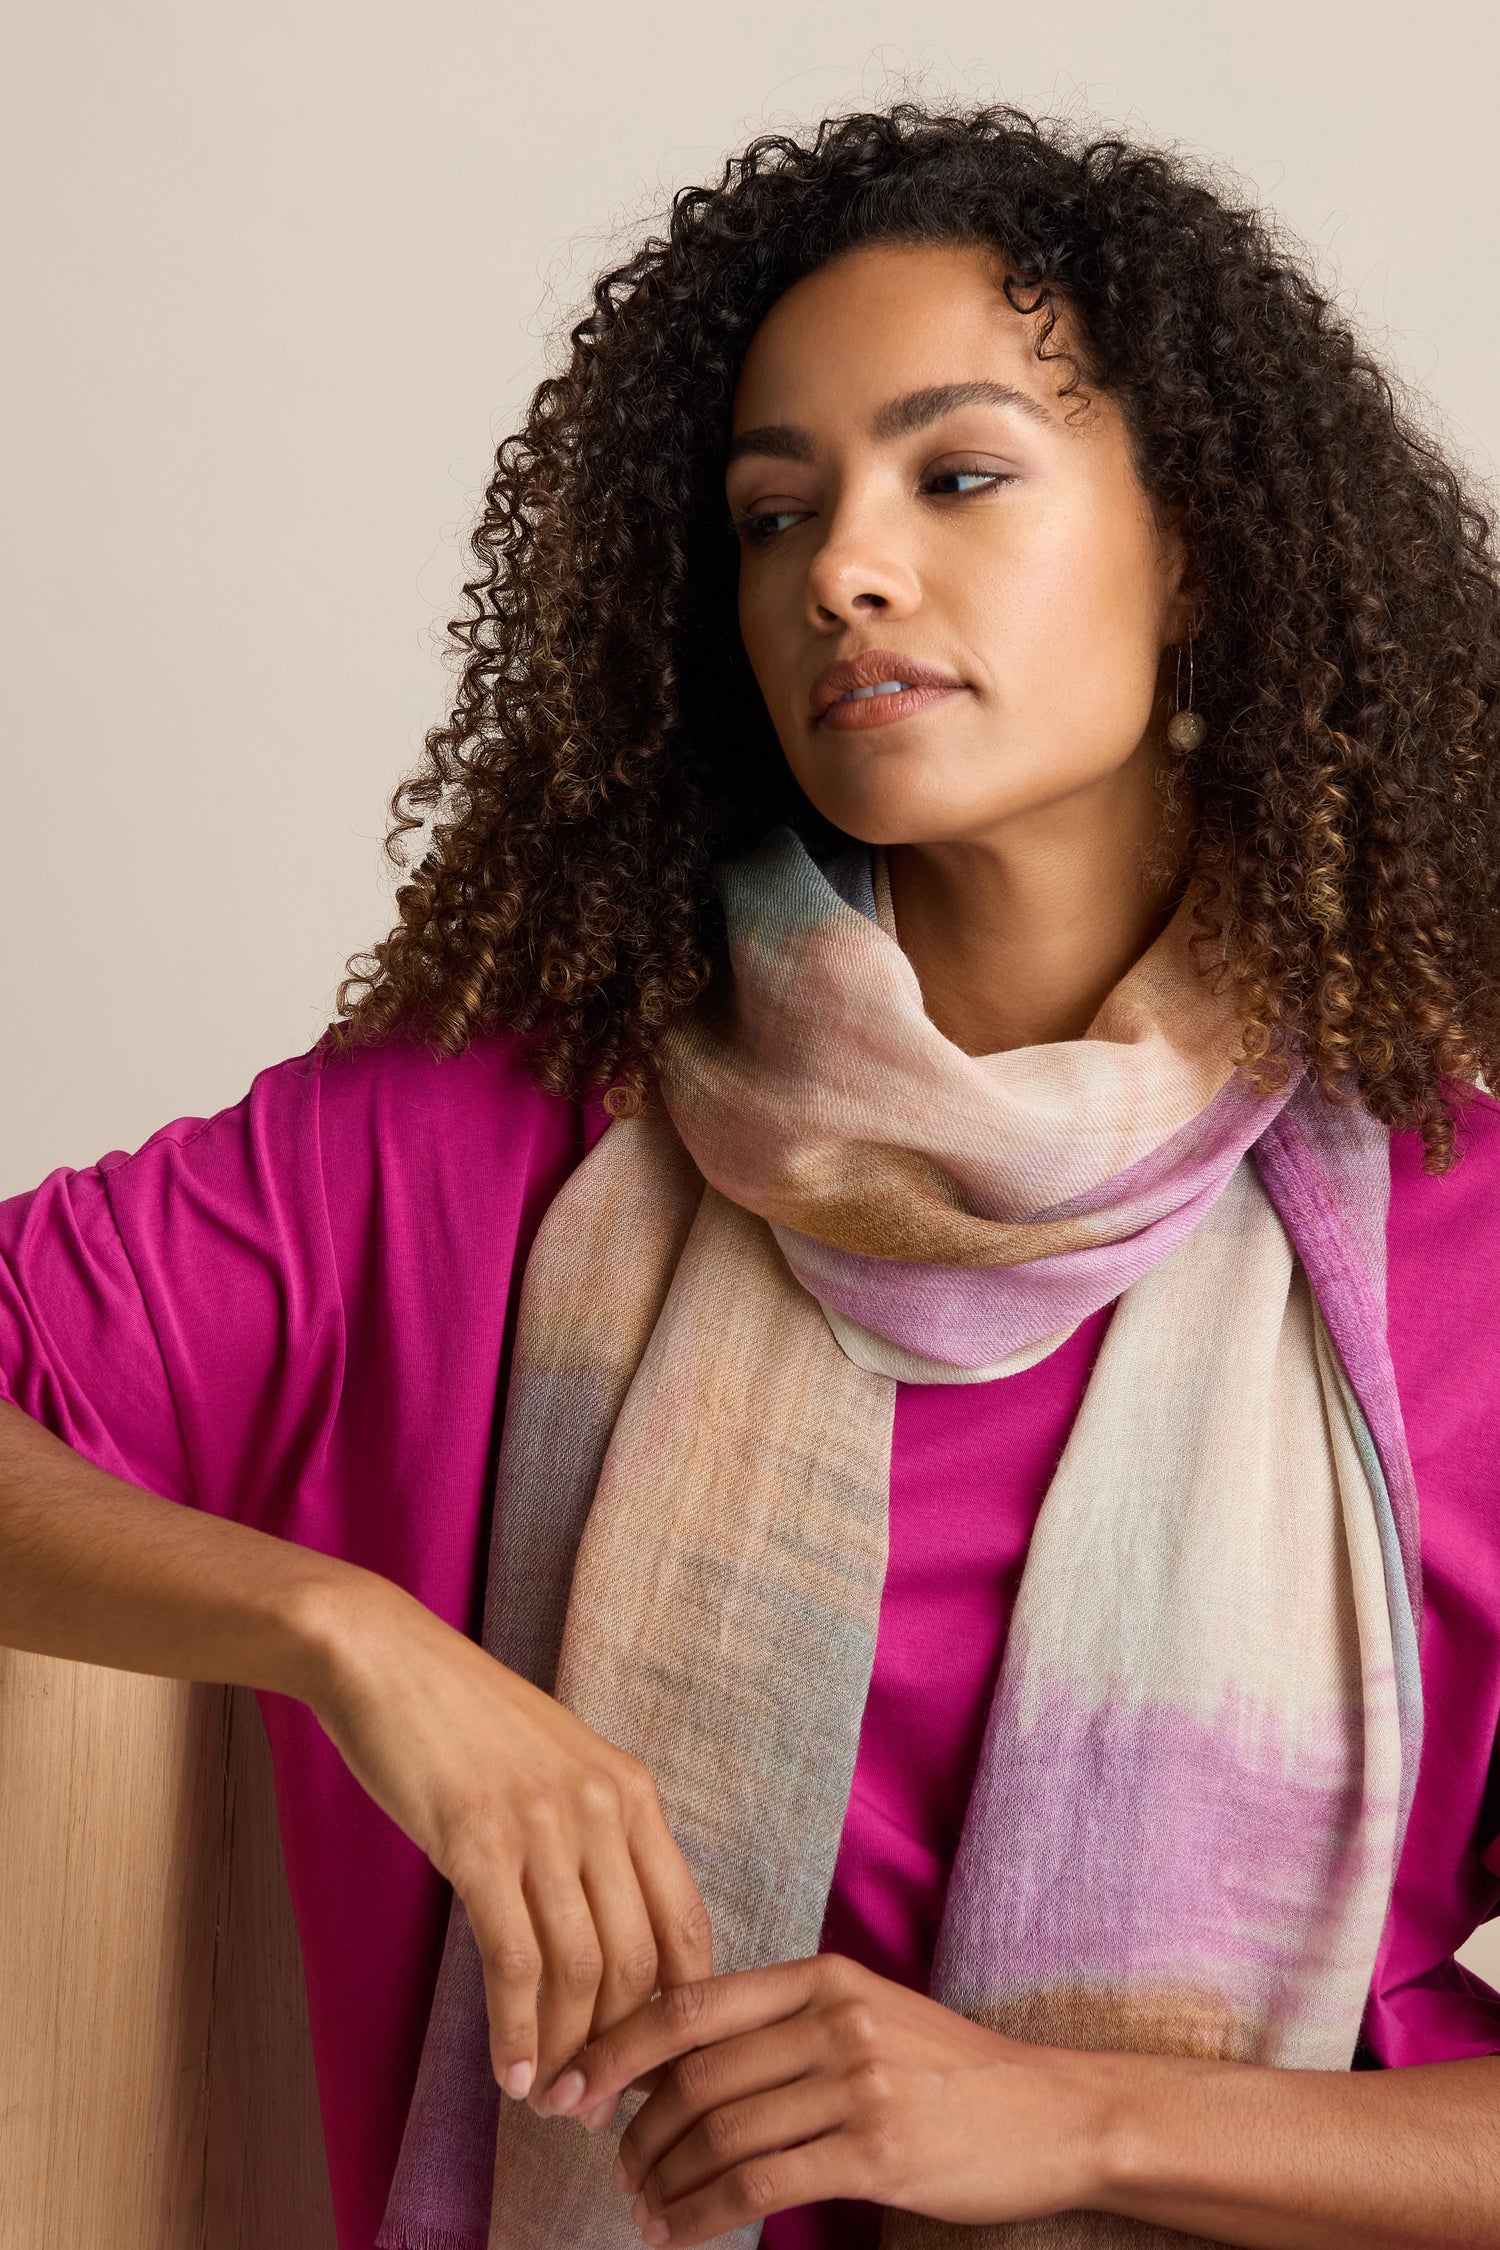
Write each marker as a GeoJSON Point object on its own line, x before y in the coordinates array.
{"type": "Point", "coordinates": [1194, 1779]}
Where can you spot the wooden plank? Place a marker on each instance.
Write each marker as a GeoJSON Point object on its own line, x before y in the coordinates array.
{"type": "Point", "coordinates": [155, 2079]}
{"type": "Point", "coordinates": [266, 2176]}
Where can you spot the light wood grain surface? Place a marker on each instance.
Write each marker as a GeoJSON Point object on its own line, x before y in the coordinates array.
{"type": "Point", "coordinates": [156, 2086]}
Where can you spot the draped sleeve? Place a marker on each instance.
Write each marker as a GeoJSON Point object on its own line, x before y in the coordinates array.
{"type": "Point", "coordinates": [77, 1349]}
{"type": "Point", "coordinates": [297, 1313]}
{"type": "Point", "coordinates": [294, 1312]}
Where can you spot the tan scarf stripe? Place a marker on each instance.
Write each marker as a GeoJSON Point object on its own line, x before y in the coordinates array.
{"type": "Point", "coordinates": [740, 1635]}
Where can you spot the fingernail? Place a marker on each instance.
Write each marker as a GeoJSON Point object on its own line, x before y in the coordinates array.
{"type": "Point", "coordinates": [568, 2092]}
{"type": "Point", "coordinates": [649, 2229]}
{"type": "Point", "coordinates": [517, 2080]}
{"type": "Point", "coordinates": [597, 2119]}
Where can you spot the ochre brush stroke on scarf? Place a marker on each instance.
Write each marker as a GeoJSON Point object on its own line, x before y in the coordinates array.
{"type": "Point", "coordinates": [1184, 1826]}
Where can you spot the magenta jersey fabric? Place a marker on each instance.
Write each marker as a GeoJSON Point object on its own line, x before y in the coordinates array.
{"type": "Point", "coordinates": [294, 1313]}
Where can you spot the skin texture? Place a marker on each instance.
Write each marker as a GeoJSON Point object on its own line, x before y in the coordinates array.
{"type": "Point", "coordinates": [1032, 848]}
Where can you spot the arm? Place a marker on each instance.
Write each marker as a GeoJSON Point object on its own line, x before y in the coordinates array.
{"type": "Point", "coordinates": [820, 2079]}
{"type": "Point", "coordinates": [93, 1569]}
{"type": "Point", "coordinates": [553, 1838]}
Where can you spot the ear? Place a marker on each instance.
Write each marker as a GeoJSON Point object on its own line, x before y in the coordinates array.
{"type": "Point", "coordinates": [1183, 587]}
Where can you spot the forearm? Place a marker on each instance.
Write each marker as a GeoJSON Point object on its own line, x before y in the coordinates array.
{"type": "Point", "coordinates": [513, 1798]}
{"type": "Point", "coordinates": [94, 1569]}
{"type": "Point", "coordinates": [1272, 2159]}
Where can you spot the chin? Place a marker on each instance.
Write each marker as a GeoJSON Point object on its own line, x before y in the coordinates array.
{"type": "Point", "coordinates": [888, 823]}
{"type": "Point", "coordinates": [895, 801]}
{"type": "Point", "coordinates": [926, 801]}
{"type": "Point", "coordinates": [888, 791]}
{"type": "Point", "coordinates": [892, 802]}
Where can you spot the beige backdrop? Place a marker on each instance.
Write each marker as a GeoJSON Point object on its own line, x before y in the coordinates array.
{"type": "Point", "coordinates": [277, 277]}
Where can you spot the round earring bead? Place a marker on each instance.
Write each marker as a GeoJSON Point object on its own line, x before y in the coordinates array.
{"type": "Point", "coordinates": [1186, 729]}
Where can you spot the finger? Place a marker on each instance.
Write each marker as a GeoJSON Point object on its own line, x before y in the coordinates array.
{"type": "Point", "coordinates": [740, 2131]}
{"type": "Point", "coordinates": [623, 1923]}
{"type": "Point", "coordinates": [679, 1918]}
{"type": "Point", "coordinates": [572, 1964]}
{"type": "Point", "coordinates": [684, 2016]}
{"type": "Point", "coordinates": [705, 2080]}
{"type": "Point", "coordinates": [597, 2119]}
{"type": "Point", "coordinates": [512, 1962]}
{"type": "Point", "coordinates": [753, 2190]}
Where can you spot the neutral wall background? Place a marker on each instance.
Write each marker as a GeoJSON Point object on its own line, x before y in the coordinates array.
{"type": "Point", "coordinates": [277, 278]}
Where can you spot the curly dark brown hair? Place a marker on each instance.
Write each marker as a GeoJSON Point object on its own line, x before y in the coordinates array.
{"type": "Point", "coordinates": [1345, 817]}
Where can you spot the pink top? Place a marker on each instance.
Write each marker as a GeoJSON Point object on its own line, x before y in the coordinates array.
{"type": "Point", "coordinates": [293, 1313]}
{"type": "Point", "coordinates": [970, 1466]}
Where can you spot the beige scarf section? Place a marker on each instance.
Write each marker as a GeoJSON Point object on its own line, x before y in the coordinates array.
{"type": "Point", "coordinates": [723, 1611]}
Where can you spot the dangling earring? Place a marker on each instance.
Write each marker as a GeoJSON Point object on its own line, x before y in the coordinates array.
{"type": "Point", "coordinates": [1186, 728]}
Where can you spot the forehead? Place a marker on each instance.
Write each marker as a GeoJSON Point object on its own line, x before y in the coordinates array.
{"type": "Point", "coordinates": [885, 320]}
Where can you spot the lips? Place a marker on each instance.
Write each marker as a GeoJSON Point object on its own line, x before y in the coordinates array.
{"type": "Point", "coordinates": [876, 688]}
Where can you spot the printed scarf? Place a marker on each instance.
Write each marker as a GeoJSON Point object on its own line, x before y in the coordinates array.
{"type": "Point", "coordinates": [1196, 1770]}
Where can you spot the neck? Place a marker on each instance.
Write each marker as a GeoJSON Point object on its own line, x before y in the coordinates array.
{"type": "Point", "coordinates": [1018, 935]}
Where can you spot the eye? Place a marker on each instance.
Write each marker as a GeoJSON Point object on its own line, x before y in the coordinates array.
{"type": "Point", "coordinates": [957, 479]}
{"type": "Point", "coordinates": [757, 525]}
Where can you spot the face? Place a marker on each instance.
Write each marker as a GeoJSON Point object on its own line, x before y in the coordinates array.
{"type": "Point", "coordinates": [913, 507]}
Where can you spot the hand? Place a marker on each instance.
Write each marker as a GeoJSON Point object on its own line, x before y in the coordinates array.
{"type": "Point", "coordinates": [553, 1838]}
{"type": "Point", "coordinates": [818, 2078]}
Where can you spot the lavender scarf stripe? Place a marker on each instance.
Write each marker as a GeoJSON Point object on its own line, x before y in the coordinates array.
{"type": "Point", "coordinates": [1194, 1778]}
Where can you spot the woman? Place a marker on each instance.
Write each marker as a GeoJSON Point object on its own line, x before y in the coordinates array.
{"type": "Point", "coordinates": [996, 1429]}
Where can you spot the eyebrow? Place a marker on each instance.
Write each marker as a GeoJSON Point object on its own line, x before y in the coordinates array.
{"type": "Point", "coordinates": [781, 441]}
{"type": "Point", "coordinates": [899, 417]}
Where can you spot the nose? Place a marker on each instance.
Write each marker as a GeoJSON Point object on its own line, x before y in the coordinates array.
{"type": "Point", "coordinates": [858, 572]}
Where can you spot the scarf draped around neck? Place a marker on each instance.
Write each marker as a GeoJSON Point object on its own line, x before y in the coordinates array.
{"type": "Point", "coordinates": [1195, 1774]}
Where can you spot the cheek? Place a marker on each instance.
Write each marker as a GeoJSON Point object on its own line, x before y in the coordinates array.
{"type": "Point", "coordinates": [1068, 612]}
{"type": "Point", "coordinates": [763, 608]}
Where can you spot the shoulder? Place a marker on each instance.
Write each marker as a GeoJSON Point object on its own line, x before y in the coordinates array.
{"type": "Point", "coordinates": [465, 1133]}
{"type": "Point", "coordinates": [339, 1129]}
{"type": "Point", "coordinates": [400, 1089]}
{"type": "Point", "coordinates": [1452, 1217]}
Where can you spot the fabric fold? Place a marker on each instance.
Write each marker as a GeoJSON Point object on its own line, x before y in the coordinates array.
{"type": "Point", "coordinates": [1196, 1770]}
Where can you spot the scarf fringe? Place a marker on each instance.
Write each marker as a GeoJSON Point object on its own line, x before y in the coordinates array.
{"type": "Point", "coordinates": [408, 2237]}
